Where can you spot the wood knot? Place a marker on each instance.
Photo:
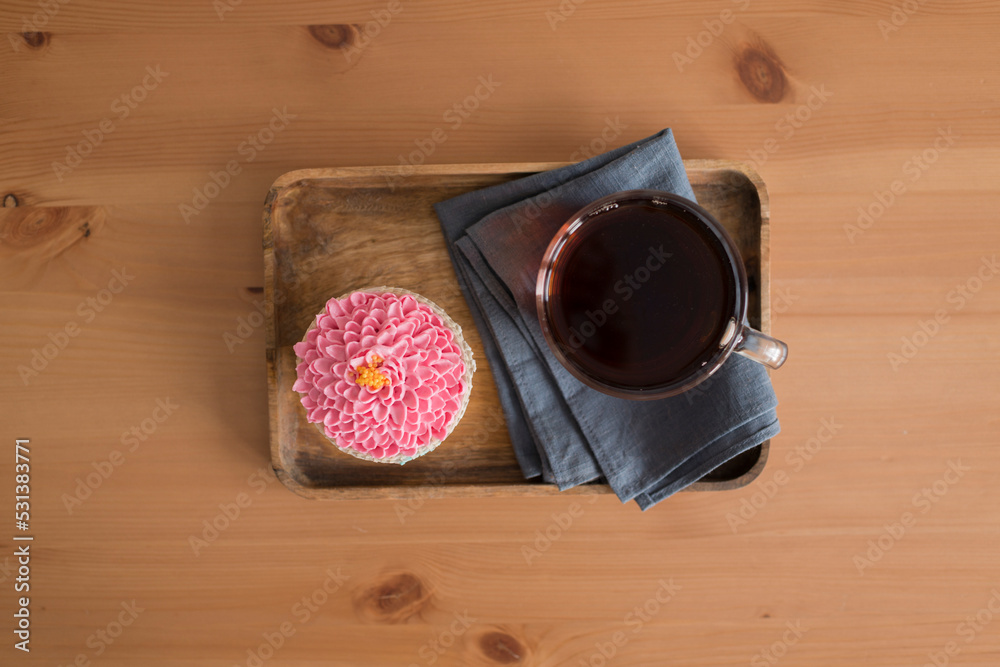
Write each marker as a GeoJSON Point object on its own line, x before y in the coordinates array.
{"type": "Point", "coordinates": [255, 290]}
{"type": "Point", "coordinates": [29, 226]}
{"type": "Point", "coordinates": [36, 40]}
{"type": "Point", "coordinates": [336, 36]}
{"type": "Point", "coordinates": [10, 200]}
{"type": "Point", "coordinates": [55, 228]}
{"type": "Point", "coordinates": [392, 598]}
{"type": "Point", "coordinates": [501, 648]}
{"type": "Point", "coordinates": [762, 73]}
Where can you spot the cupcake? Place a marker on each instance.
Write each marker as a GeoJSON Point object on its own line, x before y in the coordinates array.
{"type": "Point", "coordinates": [384, 374]}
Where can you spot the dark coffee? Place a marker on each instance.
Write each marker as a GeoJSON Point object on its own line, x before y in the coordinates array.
{"type": "Point", "coordinates": [641, 295]}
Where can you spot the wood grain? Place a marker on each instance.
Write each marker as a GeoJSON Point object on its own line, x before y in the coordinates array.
{"type": "Point", "coordinates": [843, 305]}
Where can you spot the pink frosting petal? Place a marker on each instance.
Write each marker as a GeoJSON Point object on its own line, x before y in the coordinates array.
{"type": "Point", "coordinates": [334, 309]}
{"type": "Point", "coordinates": [322, 365]}
{"type": "Point", "coordinates": [409, 399]}
{"type": "Point", "coordinates": [397, 414]}
{"type": "Point", "coordinates": [387, 336]}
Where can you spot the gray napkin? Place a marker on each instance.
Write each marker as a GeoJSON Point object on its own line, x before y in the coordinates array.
{"type": "Point", "coordinates": [561, 429]}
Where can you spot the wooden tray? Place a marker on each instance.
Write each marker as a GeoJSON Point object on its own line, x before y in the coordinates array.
{"type": "Point", "coordinates": [329, 231]}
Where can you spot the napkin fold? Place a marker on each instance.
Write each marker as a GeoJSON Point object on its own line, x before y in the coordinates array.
{"type": "Point", "coordinates": [561, 429]}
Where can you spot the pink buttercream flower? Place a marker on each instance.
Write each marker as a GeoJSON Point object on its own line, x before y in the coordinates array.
{"type": "Point", "coordinates": [388, 336]}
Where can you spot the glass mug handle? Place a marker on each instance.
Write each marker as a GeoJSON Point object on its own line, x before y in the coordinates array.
{"type": "Point", "coordinates": [757, 346]}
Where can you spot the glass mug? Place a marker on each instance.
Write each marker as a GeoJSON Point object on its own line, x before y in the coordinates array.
{"type": "Point", "coordinates": [643, 295]}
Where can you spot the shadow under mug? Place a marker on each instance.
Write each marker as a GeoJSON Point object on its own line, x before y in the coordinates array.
{"type": "Point", "coordinates": [643, 295]}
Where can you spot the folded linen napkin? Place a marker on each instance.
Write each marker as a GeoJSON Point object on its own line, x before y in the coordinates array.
{"type": "Point", "coordinates": [561, 429]}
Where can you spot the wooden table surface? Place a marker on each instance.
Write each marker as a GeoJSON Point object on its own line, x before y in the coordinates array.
{"type": "Point", "coordinates": [139, 140]}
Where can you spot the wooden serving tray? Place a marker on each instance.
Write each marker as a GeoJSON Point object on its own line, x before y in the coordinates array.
{"type": "Point", "coordinates": [329, 231]}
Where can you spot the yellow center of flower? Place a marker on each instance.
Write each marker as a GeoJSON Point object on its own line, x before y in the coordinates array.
{"type": "Point", "coordinates": [369, 376]}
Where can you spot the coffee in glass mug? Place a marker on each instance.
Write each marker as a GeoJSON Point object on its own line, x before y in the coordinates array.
{"type": "Point", "coordinates": [643, 295]}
